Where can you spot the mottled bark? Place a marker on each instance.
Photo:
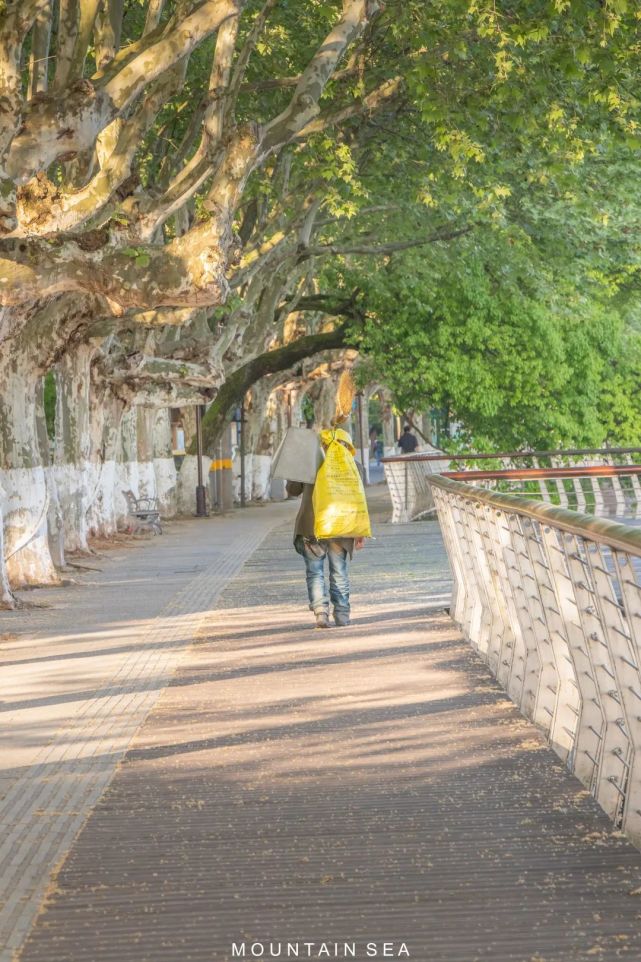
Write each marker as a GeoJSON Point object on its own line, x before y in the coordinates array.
{"type": "Point", "coordinates": [163, 463]}
{"type": "Point", "coordinates": [145, 420]}
{"type": "Point", "coordinates": [14, 25]}
{"type": "Point", "coordinates": [323, 394]}
{"type": "Point", "coordinates": [44, 209]}
{"type": "Point", "coordinates": [108, 30]}
{"type": "Point", "coordinates": [75, 26]}
{"type": "Point", "coordinates": [87, 107]}
{"type": "Point", "coordinates": [258, 442]}
{"type": "Point", "coordinates": [39, 56]}
{"type": "Point", "coordinates": [74, 462]}
{"type": "Point", "coordinates": [189, 271]}
{"type": "Point", "coordinates": [7, 597]}
{"type": "Point", "coordinates": [154, 13]}
{"type": "Point", "coordinates": [389, 428]}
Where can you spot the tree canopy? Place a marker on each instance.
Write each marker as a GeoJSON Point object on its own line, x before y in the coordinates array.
{"type": "Point", "coordinates": [516, 354]}
{"type": "Point", "coordinates": [521, 327]}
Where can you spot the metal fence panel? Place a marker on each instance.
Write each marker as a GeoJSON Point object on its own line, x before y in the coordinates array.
{"type": "Point", "coordinates": [551, 599]}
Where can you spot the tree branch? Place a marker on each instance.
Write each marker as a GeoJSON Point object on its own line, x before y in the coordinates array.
{"type": "Point", "coordinates": [330, 304]}
{"type": "Point", "coordinates": [75, 26]}
{"type": "Point", "coordinates": [201, 166]}
{"type": "Point", "coordinates": [39, 56]}
{"type": "Point", "coordinates": [375, 100]}
{"type": "Point", "coordinates": [248, 48]}
{"type": "Point", "coordinates": [219, 80]}
{"type": "Point", "coordinates": [378, 249]}
{"type": "Point", "coordinates": [272, 362]}
{"type": "Point", "coordinates": [304, 105]}
{"type": "Point", "coordinates": [55, 127]}
{"type": "Point", "coordinates": [43, 208]}
{"type": "Point", "coordinates": [154, 13]}
{"type": "Point", "coordinates": [138, 367]}
{"type": "Point", "coordinates": [186, 273]}
{"type": "Point", "coordinates": [108, 31]}
{"type": "Point", "coordinates": [14, 26]}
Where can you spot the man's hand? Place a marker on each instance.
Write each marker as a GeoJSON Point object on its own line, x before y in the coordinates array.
{"type": "Point", "coordinates": [294, 489]}
{"type": "Point", "coordinates": [359, 543]}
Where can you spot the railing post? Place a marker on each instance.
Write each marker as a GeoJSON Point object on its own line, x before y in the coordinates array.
{"type": "Point", "coordinates": [531, 618]}
{"type": "Point", "coordinates": [619, 496]}
{"type": "Point", "coordinates": [548, 679]}
{"type": "Point", "coordinates": [624, 671]}
{"type": "Point", "coordinates": [636, 486]}
{"type": "Point", "coordinates": [565, 721]}
{"type": "Point", "coordinates": [569, 576]}
{"type": "Point", "coordinates": [514, 653]}
{"type": "Point", "coordinates": [462, 597]}
{"type": "Point", "coordinates": [406, 499]}
{"type": "Point", "coordinates": [501, 646]}
{"type": "Point", "coordinates": [599, 503]}
{"type": "Point", "coordinates": [609, 737]}
{"type": "Point", "coordinates": [391, 476]}
{"type": "Point", "coordinates": [479, 569]}
{"type": "Point", "coordinates": [581, 691]}
{"type": "Point", "coordinates": [467, 601]}
{"type": "Point", "coordinates": [628, 582]}
{"type": "Point", "coordinates": [581, 503]}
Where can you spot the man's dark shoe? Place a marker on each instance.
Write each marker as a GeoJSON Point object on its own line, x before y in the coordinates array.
{"type": "Point", "coordinates": [322, 619]}
{"type": "Point", "coordinates": [341, 618]}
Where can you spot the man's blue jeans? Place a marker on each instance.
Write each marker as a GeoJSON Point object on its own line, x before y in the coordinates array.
{"type": "Point", "coordinates": [319, 598]}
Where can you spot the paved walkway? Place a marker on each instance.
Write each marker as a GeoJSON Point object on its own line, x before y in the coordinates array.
{"type": "Point", "coordinates": [81, 672]}
{"type": "Point", "coordinates": [363, 785]}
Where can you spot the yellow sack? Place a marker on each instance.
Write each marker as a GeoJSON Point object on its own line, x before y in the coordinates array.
{"type": "Point", "coordinates": [340, 507]}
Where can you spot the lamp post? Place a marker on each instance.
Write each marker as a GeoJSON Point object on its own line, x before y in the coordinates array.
{"type": "Point", "coordinates": [201, 496]}
{"type": "Point", "coordinates": [239, 418]}
{"type": "Point", "coordinates": [359, 401]}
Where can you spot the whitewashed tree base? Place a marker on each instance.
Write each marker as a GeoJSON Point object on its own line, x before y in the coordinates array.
{"type": "Point", "coordinates": [25, 501]}
{"type": "Point", "coordinates": [257, 481]}
{"type": "Point", "coordinates": [166, 481]}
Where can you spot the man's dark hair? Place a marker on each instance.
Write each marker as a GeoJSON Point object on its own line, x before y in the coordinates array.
{"type": "Point", "coordinates": [407, 428]}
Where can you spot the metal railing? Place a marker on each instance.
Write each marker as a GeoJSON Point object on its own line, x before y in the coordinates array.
{"type": "Point", "coordinates": [407, 482]}
{"type": "Point", "coordinates": [557, 481]}
{"type": "Point", "coordinates": [551, 599]}
{"type": "Point", "coordinates": [612, 490]}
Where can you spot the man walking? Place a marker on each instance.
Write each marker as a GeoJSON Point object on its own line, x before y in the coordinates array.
{"type": "Point", "coordinates": [337, 551]}
{"type": "Point", "coordinates": [407, 441]}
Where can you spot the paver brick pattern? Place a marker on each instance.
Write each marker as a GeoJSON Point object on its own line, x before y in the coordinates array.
{"type": "Point", "coordinates": [361, 785]}
{"type": "Point", "coordinates": [96, 662]}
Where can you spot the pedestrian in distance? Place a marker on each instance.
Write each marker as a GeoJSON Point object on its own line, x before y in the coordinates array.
{"type": "Point", "coordinates": [407, 441]}
{"type": "Point", "coordinates": [337, 551]}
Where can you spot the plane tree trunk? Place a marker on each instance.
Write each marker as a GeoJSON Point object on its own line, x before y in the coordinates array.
{"type": "Point", "coordinates": [76, 465]}
{"type": "Point", "coordinates": [25, 491]}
